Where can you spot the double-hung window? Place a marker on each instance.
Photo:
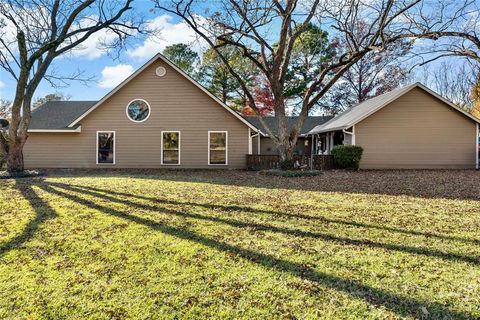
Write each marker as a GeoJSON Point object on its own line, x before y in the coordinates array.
{"type": "Point", "coordinates": [105, 147]}
{"type": "Point", "coordinates": [217, 147]}
{"type": "Point", "coordinates": [170, 147]}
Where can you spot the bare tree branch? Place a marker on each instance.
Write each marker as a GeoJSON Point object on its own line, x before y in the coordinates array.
{"type": "Point", "coordinates": [268, 31]}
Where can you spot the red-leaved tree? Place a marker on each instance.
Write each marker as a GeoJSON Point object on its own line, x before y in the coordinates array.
{"type": "Point", "coordinates": [263, 97]}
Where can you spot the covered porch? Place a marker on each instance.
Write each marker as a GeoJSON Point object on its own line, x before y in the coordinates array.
{"type": "Point", "coordinates": [323, 142]}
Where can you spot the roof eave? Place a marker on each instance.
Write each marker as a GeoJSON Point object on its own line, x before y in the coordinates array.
{"type": "Point", "coordinates": [313, 131]}
{"type": "Point", "coordinates": [66, 130]}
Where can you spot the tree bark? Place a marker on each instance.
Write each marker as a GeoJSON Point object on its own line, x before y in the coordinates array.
{"type": "Point", "coordinates": [15, 158]}
{"type": "Point", "coordinates": [286, 153]}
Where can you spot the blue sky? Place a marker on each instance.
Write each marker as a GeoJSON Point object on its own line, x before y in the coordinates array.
{"type": "Point", "coordinates": [107, 71]}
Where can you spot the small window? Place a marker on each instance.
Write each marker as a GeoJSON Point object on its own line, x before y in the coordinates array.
{"type": "Point", "coordinates": [170, 147]}
{"type": "Point", "coordinates": [106, 147]}
{"type": "Point", "coordinates": [217, 147]}
{"type": "Point", "coordinates": [138, 110]}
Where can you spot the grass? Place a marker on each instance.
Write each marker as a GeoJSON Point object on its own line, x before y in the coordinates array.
{"type": "Point", "coordinates": [167, 244]}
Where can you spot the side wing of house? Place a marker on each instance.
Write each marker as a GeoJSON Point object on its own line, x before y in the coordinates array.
{"type": "Point", "coordinates": [207, 133]}
{"type": "Point", "coordinates": [417, 130]}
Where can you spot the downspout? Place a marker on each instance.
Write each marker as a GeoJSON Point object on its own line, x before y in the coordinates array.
{"type": "Point", "coordinates": [258, 144]}
{"type": "Point", "coordinates": [350, 133]}
{"type": "Point", "coordinates": [249, 141]}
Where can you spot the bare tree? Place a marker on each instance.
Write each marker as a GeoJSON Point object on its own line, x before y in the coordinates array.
{"type": "Point", "coordinates": [266, 32]}
{"type": "Point", "coordinates": [456, 83]}
{"type": "Point", "coordinates": [374, 74]}
{"type": "Point", "coordinates": [453, 26]}
{"type": "Point", "coordinates": [35, 32]}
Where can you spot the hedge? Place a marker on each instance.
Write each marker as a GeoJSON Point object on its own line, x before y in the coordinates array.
{"type": "Point", "coordinates": [347, 157]}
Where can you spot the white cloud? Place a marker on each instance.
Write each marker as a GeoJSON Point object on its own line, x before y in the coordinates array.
{"type": "Point", "coordinates": [170, 33]}
{"type": "Point", "coordinates": [2, 84]}
{"type": "Point", "coordinates": [112, 76]}
{"type": "Point", "coordinates": [94, 46]}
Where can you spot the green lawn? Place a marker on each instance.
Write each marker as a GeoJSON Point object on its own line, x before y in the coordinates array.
{"type": "Point", "coordinates": [232, 244]}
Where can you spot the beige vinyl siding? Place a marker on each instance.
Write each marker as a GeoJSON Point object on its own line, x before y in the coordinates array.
{"type": "Point", "coordinates": [176, 105]}
{"type": "Point", "coordinates": [417, 131]}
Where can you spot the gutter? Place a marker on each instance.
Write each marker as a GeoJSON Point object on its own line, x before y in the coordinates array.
{"type": "Point", "coordinates": [76, 130]}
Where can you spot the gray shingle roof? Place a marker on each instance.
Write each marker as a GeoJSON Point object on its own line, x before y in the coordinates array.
{"type": "Point", "coordinates": [58, 114]}
{"type": "Point", "coordinates": [309, 124]}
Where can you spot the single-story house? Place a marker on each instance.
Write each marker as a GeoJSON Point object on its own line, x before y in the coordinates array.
{"type": "Point", "coordinates": [161, 117]}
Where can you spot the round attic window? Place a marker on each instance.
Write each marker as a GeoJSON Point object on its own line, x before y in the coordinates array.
{"type": "Point", "coordinates": [138, 110]}
{"type": "Point", "coordinates": [160, 71]}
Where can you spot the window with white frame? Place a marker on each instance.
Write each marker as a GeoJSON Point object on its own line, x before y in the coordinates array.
{"type": "Point", "coordinates": [138, 110]}
{"type": "Point", "coordinates": [105, 147]}
{"type": "Point", "coordinates": [217, 147]}
{"type": "Point", "coordinates": [170, 147]}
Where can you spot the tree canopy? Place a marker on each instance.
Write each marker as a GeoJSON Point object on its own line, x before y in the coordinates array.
{"type": "Point", "coordinates": [183, 57]}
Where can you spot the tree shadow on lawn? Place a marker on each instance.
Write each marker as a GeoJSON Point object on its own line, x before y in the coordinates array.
{"type": "Point", "coordinates": [273, 213]}
{"type": "Point", "coordinates": [402, 305]}
{"type": "Point", "coordinates": [447, 184]}
{"type": "Point", "coordinates": [43, 212]}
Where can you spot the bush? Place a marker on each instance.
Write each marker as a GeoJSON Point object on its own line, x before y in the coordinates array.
{"type": "Point", "coordinates": [287, 164]}
{"type": "Point", "coordinates": [21, 174]}
{"type": "Point", "coordinates": [292, 173]}
{"type": "Point", "coordinates": [347, 157]}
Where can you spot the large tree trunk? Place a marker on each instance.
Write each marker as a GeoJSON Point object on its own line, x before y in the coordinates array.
{"type": "Point", "coordinates": [15, 158]}
{"type": "Point", "coordinates": [286, 154]}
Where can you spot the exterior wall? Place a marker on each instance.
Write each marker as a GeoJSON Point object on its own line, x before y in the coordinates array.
{"type": "Point", "coordinates": [176, 104]}
{"type": "Point", "coordinates": [417, 131]}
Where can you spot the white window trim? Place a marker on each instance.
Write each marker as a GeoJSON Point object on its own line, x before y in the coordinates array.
{"type": "Point", "coordinates": [149, 110]}
{"type": "Point", "coordinates": [114, 149]}
{"type": "Point", "coordinates": [179, 148]}
{"type": "Point", "coordinates": [226, 149]}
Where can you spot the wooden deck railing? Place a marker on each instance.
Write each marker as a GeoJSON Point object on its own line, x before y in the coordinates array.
{"type": "Point", "coordinates": [266, 162]}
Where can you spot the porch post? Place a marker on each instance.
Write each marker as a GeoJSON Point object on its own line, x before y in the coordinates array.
{"type": "Point", "coordinates": [331, 141]}
{"type": "Point", "coordinates": [258, 144]}
{"type": "Point", "coordinates": [311, 153]}
{"type": "Point", "coordinates": [327, 143]}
